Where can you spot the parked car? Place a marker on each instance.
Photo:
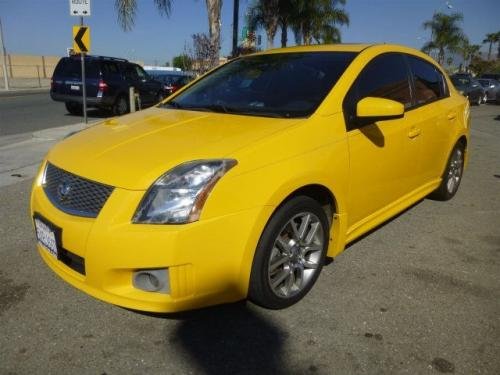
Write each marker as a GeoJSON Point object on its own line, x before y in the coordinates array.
{"type": "Point", "coordinates": [495, 76]}
{"type": "Point", "coordinates": [240, 185]}
{"type": "Point", "coordinates": [172, 81]}
{"type": "Point", "coordinates": [491, 87]}
{"type": "Point", "coordinates": [470, 88]}
{"type": "Point", "coordinates": [107, 83]}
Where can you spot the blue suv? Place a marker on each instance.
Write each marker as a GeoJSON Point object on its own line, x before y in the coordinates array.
{"type": "Point", "coordinates": [107, 79]}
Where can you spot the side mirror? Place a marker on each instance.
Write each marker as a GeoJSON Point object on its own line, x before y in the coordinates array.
{"type": "Point", "coordinates": [379, 108]}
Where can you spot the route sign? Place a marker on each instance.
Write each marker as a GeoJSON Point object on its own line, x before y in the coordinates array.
{"type": "Point", "coordinates": [81, 39]}
{"type": "Point", "coordinates": [79, 8]}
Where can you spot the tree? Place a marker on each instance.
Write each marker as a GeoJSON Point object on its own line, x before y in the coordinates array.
{"type": "Point", "coordinates": [317, 20]}
{"type": "Point", "coordinates": [127, 10]}
{"type": "Point", "coordinates": [446, 34]}
{"type": "Point", "coordinates": [183, 62]}
{"type": "Point", "coordinates": [265, 14]}
{"type": "Point", "coordinates": [492, 38]}
{"type": "Point", "coordinates": [480, 66]}
{"type": "Point", "coordinates": [468, 52]}
{"type": "Point", "coordinates": [201, 53]}
{"type": "Point", "coordinates": [214, 23]}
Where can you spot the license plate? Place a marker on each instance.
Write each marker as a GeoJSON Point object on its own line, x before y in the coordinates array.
{"type": "Point", "coordinates": [74, 87]}
{"type": "Point", "coordinates": [46, 236]}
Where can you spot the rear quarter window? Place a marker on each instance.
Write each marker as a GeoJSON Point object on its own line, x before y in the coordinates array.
{"type": "Point", "coordinates": [72, 68]}
{"type": "Point", "coordinates": [430, 84]}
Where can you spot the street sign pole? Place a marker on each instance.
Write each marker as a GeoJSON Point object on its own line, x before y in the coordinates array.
{"type": "Point", "coordinates": [4, 59]}
{"type": "Point", "coordinates": [84, 88]}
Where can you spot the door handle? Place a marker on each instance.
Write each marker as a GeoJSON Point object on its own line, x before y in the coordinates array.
{"type": "Point", "coordinates": [415, 132]}
{"type": "Point", "coordinates": [451, 116]}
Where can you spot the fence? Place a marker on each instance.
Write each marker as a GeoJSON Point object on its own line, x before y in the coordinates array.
{"type": "Point", "coordinates": [26, 71]}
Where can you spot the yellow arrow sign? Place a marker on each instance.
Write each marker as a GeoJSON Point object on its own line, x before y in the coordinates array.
{"type": "Point", "coordinates": [81, 39]}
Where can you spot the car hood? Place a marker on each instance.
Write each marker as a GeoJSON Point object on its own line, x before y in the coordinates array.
{"type": "Point", "coordinates": [132, 151]}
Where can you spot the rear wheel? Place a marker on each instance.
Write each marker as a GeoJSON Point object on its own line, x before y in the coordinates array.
{"type": "Point", "coordinates": [121, 106]}
{"type": "Point", "coordinates": [74, 108]}
{"type": "Point", "coordinates": [479, 100]}
{"type": "Point", "coordinates": [290, 254]}
{"type": "Point", "coordinates": [452, 175]}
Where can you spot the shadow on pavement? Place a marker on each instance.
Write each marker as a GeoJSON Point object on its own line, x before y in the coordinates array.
{"type": "Point", "coordinates": [230, 339]}
{"type": "Point", "coordinates": [497, 118]}
{"type": "Point", "coordinates": [93, 113]}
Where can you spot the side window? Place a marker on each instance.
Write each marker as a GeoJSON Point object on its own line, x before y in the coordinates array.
{"type": "Point", "coordinates": [428, 81]}
{"type": "Point", "coordinates": [110, 71]}
{"type": "Point", "coordinates": [131, 73]}
{"type": "Point", "coordinates": [141, 73]}
{"type": "Point", "coordinates": [387, 77]}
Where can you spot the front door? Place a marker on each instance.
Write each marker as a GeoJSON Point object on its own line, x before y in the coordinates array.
{"type": "Point", "coordinates": [383, 154]}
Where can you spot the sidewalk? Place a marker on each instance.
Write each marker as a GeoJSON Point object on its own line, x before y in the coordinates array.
{"type": "Point", "coordinates": [21, 155]}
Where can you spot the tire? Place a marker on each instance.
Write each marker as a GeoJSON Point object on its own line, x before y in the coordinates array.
{"type": "Point", "coordinates": [74, 108]}
{"type": "Point", "coordinates": [452, 175]}
{"type": "Point", "coordinates": [479, 100]}
{"type": "Point", "coordinates": [290, 254]}
{"type": "Point", "coordinates": [159, 97]}
{"type": "Point", "coordinates": [120, 107]}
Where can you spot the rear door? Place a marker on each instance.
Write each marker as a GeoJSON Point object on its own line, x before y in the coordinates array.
{"type": "Point", "coordinates": [433, 105]}
{"type": "Point", "coordinates": [382, 154]}
{"type": "Point", "coordinates": [142, 83]}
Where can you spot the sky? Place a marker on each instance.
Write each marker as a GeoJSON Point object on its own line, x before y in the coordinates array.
{"type": "Point", "coordinates": [44, 27]}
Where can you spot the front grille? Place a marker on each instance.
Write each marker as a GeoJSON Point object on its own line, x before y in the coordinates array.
{"type": "Point", "coordinates": [73, 194]}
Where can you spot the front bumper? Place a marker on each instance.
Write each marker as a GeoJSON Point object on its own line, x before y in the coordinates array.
{"type": "Point", "coordinates": [208, 261]}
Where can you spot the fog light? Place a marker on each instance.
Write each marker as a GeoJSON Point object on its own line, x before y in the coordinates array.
{"type": "Point", "coordinates": [156, 280]}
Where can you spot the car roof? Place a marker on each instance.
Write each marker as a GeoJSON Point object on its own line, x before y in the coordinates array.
{"type": "Point", "coordinates": [350, 47]}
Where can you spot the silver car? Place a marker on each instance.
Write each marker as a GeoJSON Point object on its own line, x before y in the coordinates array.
{"type": "Point", "coordinates": [491, 88]}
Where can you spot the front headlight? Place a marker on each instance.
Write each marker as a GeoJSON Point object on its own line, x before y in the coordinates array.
{"type": "Point", "coordinates": [178, 196]}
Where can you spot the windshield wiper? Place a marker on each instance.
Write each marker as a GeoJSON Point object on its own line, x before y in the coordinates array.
{"type": "Point", "coordinates": [210, 108]}
{"type": "Point", "coordinates": [172, 103]}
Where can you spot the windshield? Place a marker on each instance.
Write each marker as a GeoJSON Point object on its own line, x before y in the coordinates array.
{"type": "Point", "coordinates": [275, 85]}
{"type": "Point", "coordinates": [460, 81]}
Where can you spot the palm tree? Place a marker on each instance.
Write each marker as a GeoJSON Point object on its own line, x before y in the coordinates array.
{"type": "Point", "coordinates": [214, 23]}
{"type": "Point", "coordinates": [446, 34]}
{"type": "Point", "coordinates": [491, 38]}
{"type": "Point", "coordinates": [468, 52]}
{"type": "Point", "coordinates": [265, 14]}
{"type": "Point", "coordinates": [318, 20]}
{"type": "Point", "coordinates": [127, 10]}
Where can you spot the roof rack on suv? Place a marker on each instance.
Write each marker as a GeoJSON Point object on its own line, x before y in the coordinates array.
{"type": "Point", "coordinates": [111, 58]}
{"type": "Point", "coordinates": [101, 57]}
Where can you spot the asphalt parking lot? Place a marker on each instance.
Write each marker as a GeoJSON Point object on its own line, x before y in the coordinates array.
{"type": "Point", "coordinates": [420, 295]}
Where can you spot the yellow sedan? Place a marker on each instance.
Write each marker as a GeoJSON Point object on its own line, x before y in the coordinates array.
{"type": "Point", "coordinates": [242, 183]}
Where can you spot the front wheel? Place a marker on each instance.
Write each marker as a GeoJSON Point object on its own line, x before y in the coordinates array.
{"type": "Point", "coordinates": [452, 175]}
{"type": "Point", "coordinates": [290, 254]}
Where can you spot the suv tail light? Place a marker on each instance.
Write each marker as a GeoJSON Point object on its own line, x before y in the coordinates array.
{"type": "Point", "coordinates": [103, 86]}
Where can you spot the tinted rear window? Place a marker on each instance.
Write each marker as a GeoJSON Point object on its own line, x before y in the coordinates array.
{"type": "Point", "coordinates": [72, 68]}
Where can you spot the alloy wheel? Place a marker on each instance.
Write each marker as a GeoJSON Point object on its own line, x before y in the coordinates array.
{"type": "Point", "coordinates": [296, 255]}
{"type": "Point", "coordinates": [455, 171]}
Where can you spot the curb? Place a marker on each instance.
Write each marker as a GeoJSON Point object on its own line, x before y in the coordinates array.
{"type": "Point", "coordinates": [60, 132]}
{"type": "Point", "coordinates": [21, 92]}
